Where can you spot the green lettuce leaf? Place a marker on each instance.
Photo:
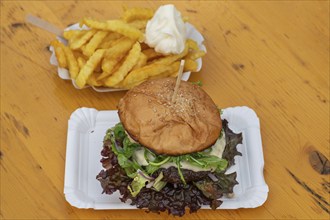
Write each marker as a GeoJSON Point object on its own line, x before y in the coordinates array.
{"type": "Point", "coordinates": [150, 169]}
{"type": "Point", "coordinates": [159, 184]}
{"type": "Point", "coordinates": [129, 147]}
{"type": "Point", "coordinates": [207, 161]}
{"type": "Point", "coordinates": [178, 164]}
{"type": "Point", "coordinates": [124, 149]}
{"type": "Point", "coordinates": [138, 183]}
{"type": "Point", "coordinates": [119, 132]}
{"type": "Point", "coordinates": [199, 83]}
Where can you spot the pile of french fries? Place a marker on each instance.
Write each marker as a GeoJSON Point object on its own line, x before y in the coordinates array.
{"type": "Point", "coordinates": [112, 53]}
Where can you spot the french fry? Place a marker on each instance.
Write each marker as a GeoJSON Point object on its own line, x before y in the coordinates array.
{"type": "Point", "coordinates": [139, 24]}
{"type": "Point", "coordinates": [114, 54]}
{"type": "Point", "coordinates": [94, 43]}
{"type": "Point", "coordinates": [105, 44]}
{"type": "Point", "coordinates": [72, 33]}
{"type": "Point", "coordinates": [195, 54]}
{"type": "Point", "coordinates": [151, 54]}
{"type": "Point", "coordinates": [121, 46]}
{"type": "Point", "coordinates": [70, 58]}
{"type": "Point", "coordinates": [109, 40]}
{"type": "Point", "coordinates": [81, 62]}
{"type": "Point", "coordinates": [112, 43]}
{"type": "Point", "coordinates": [117, 26]}
{"type": "Point", "coordinates": [72, 62]}
{"type": "Point", "coordinates": [60, 55]}
{"type": "Point", "coordinates": [132, 14]}
{"type": "Point", "coordinates": [142, 61]}
{"type": "Point", "coordinates": [190, 65]}
{"type": "Point", "coordinates": [108, 67]}
{"type": "Point", "coordinates": [167, 73]}
{"type": "Point", "coordinates": [137, 76]}
{"type": "Point", "coordinates": [173, 72]}
{"type": "Point", "coordinates": [172, 58]}
{"type": "Point", "coordinates": [78, 35]}
{"type": "Point", "coordinates": [80, 40]}
{"type": "Point", "coordinates": [192, 44]}
{"type": "Point", "coordinates": [115, 65]}
{"type": "Point", "coordinates": [92, 80]}
{"type": "Point", "coordinates": [129, 62]}
{"type": "Point", "coordinates": [89, 67]}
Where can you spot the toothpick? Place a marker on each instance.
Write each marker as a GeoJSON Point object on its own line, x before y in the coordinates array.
{"type": "Point", "coordinates": [178, 80]}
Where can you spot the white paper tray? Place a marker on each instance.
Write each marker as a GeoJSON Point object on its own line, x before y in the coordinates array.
{"type": "Point", "coordinates": [87, 127]}
{"type": "Point", "coordinates": [63, 73]}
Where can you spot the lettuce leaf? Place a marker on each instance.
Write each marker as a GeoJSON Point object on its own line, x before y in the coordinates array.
{"type": "Point", "coordinates": [138, 183]}
{"type": "Point", "coordinates": [129, 147]}
{"type": "Point", "coordinates": [215, 189]}
{"type": "Point", "coordinates": [232, 140]}
{"type": "Point", "coordinates": [207, 161]}
{"type": "Point", "coordinates": [199, 83]}
{"type": "Point", "coordinates": [124, 149]}
{"type": "Point", "coordinates": [159, 184]}
{"type": "Point", "coordinates": [119, 132]}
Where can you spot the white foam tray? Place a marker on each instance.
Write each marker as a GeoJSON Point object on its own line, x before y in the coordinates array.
{"type": "Point", "coordinates": [63, 73]}
{"type": "Point", "coordinates": [87, 127]}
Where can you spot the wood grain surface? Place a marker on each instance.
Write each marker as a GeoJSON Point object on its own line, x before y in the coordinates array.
{"type": "Point", "coordinates": [272, 56]}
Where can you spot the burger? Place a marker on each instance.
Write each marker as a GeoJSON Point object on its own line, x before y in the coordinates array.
{"type": "Point", "coordinates": [169, 151]}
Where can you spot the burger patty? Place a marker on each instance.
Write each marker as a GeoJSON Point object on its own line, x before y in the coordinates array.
{"type": "Point", "coordinates": [171, 175]}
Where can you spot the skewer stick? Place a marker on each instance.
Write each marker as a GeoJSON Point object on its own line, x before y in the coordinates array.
{"type": "Point", "coordinates": [178, 80]}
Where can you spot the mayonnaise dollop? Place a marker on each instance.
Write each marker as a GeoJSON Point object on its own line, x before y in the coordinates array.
{"type": "Point", "coordinates": [166, 31]}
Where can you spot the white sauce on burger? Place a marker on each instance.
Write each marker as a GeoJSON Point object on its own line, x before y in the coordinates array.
{"type": "Point", "coordinates": [216, 150]}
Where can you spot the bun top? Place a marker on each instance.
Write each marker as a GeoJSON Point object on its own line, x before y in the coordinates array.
{"type": "Point", "coordinates": [190, 124]}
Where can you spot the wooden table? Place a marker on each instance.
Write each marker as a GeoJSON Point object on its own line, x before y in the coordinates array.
{"type": "Point", "coordinates": [271, 56]}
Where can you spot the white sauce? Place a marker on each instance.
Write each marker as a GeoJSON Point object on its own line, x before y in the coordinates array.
{"type": "Point", "coordinates": [138, 155]}
{"type": "Point", "coordinates": [166, 32]}
{"type": "Point", "coordinates": [219, 146]}
{"type": "Point", "coordinates": [217, 150]}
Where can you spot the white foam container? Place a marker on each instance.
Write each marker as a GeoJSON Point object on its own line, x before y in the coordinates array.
{"type": "Point", "coordinates": [63, 73]}
{"type": "Point", "coordinates": [87, 127]}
